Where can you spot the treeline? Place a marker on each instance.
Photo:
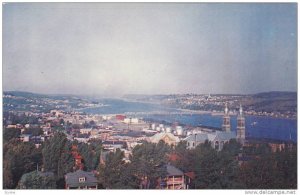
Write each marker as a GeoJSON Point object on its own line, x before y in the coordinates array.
{"type": "Point", "coordinates": [260, 168]}
{"type": "Point", "coordinates": [237, 167]}
{"type": "Point", "coordinates": [25, 166]}
{"type": "Point", "coordinates": [147, 164]}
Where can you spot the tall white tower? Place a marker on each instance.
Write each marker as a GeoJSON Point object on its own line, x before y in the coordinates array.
{"type": "Point", "coordinates": [226, 120]}
{"type": "Point", "coordinates": [241, 130]}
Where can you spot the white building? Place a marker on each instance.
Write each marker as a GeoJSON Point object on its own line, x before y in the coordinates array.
{"type": "Point", "coordinates": [217, 139]}
{"type": "Point", "coordinates": [85, 131]}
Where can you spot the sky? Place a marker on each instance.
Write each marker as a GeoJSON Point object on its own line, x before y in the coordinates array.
{"type": "Point", "coordinates": [114, 49]}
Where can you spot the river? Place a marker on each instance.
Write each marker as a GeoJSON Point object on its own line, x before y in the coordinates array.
{"type": "Point", "coordinates": [256, 126]}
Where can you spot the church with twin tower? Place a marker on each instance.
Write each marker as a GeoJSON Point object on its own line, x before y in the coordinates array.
{"type": "Point", "coordinates": [240, 130]}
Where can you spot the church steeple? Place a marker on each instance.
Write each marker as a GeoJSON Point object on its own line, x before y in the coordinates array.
{"type": "Point", "coordinates": [226, 120]}
{"type": "Point", "coordinates": [241, 110]}
{"type": "Point", "coordinates": [226, 108]}
{"type": "Point", "coordinates": [241, 130]}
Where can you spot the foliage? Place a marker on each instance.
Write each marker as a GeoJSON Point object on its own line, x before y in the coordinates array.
{"type": "Point", "coordinates": [37, 180]}
{"type": "Point", "coordinates": [148, 162]}
{"type": "Point", "coordinates": [186, 158]}
{"type": "Point", "coordinates": [57, 156]}
{"type": "Point", "coordinates": [269, 170]}
{"type": "Point", "coordinates": [18, 158]}
{"type": "Point", "coordinates": [20, 119]}
{"type": "Point", "coordinates": [10, 133]}
{"type": "Point", "coordinates": [115, 174]}
{"type": "Point", "coordinates": [90, 153]}
{"type": "Point", "coordinates": [215, 170]}
{"type": "Point", "coordinates": [35, 131]}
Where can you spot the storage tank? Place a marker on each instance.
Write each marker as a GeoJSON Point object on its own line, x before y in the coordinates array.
{"type": "Point", "coordinates": [179, 130]}
{"type": "Point", "coordinates": [168, 130]}
{"type": "Point", "coordinates": [153, 126]}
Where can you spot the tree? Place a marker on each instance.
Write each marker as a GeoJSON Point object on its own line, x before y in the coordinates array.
{"type": "Point", "coordinates": [18, 158]}
{"type": "Point", "coordinates": [148, 162]}
{"type": "Point", "coordinates": [116, 174]}
{"type": "Point", "coordinates": [90, 153]}
{"type": "Point", "coordinates": [215, 170]}
{"type": "Point", "coordinates": [35, 131]}
{"type": "Point", "coordinates": [57, 157]}
{"type": "Point", "coordinates": [92, 123]}
{"type": "Point", "coordinates": [10, 133]}
{"type": "Point", "coordinates": [186, 158]}
{"type": "Point", "coordinates": [286, 166]}
{"type": "Point", "coordinates": [37, 180]}
{"type": "Point", "coordinates": [259, 173]}
{"type": "Point", "coordinates": [268, 170]}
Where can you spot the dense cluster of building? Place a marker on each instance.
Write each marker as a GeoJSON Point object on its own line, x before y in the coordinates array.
{"type": "Point", "coordinates": [124, 133]}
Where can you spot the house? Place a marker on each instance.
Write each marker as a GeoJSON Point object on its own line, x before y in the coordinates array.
{"type": "Point", "coordinates": [189, 179]}
{"type": "Point", "coordinates": [85, 131]}
{"type": "Point", "coordinates": [120, 117]}
{"type": "Point", "coordinates": [80, 180]}
{"type": "Point", "coordinates": [25, 137]}
{"type": "Point", "coordinates": [168, 138]}
{"type": "Point", "coordinates": [175, 179]}
{"type": "Point", "coordinates": [12, 126]}
{"type": "Point", "coordinates": [82, 138]}
{"type": "Point", "coordinates": [112, 145]}
{"type": "Point", "coordinates": [217, 139]}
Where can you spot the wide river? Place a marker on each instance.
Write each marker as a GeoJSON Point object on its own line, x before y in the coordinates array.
{"type": "Point", "coordinates": [256, 126]}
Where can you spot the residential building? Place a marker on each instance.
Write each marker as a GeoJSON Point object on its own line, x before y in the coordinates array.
{"type": "Point", "coordinates": [168, 138]}
{"type": "Point", "coordinates": [80, 180]}
{"type": "Point", "coordinates": [85, 131]}
{"type": "Point", "coordinates": [175, 179]}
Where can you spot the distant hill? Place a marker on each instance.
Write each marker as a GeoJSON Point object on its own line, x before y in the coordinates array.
{"type": "Point", "coordinates": [272, 102]}
{"type": "Point", "coordinates": [24, 94]}
{"type": "Point", "coordinates": [277, 95]}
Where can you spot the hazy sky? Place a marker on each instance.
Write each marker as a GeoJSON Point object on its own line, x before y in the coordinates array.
{"type": "Point", "coordinates": [149, 48]}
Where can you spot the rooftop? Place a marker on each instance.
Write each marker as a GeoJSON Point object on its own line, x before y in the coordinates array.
{"type": "Point", "coordinates": [72, 179]}
{"type": "Point", "coordinates": [173, 171]}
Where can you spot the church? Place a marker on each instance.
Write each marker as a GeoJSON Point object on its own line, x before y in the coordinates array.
{"type": "Point", "coordinates": [219, 138]}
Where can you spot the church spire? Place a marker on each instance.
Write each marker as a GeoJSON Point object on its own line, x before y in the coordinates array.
{"type": "Point", "coordinates": [241, 110]}
{"type": "Point", "coordinates": [241, 130]}
{"type": "Point", "coordinates": [226, 120]}
{"type": "Point", "coordinates": [226, 108]}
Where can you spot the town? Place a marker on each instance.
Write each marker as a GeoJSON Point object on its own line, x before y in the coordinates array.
{"type": "Point", "coordinates": [75, 150]}
{"type": "Point", "coordinates": [154, 95]}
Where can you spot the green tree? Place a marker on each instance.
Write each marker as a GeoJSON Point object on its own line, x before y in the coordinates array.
{"type": "Point", "coordinates": [37, 180]}
{"type": "Point", "coordinates": [10, 133]}
{"type": "Point", "coordinates": [35, 131]}
{"type": "Point", "coordinates": [90, 153]}
{"type": "Point", "coordinates": [18, 158]}
{"type": "Point", "coordinates": [286, 166]}
{"type": "Point", "coordinates": [259, 173]}
{"type": "Point", "coordinates": [57, 157]}
{"type": "Point", "coordinates": [268, 170]}
{"type": "Point", "coordinates": [186, 157]}
{"type": "Point", "coordinates": [116, 174]}
{"type": "Point", "coordinates": [216, 170]}
{"type": "Point", "coordinates": [148, 162]}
